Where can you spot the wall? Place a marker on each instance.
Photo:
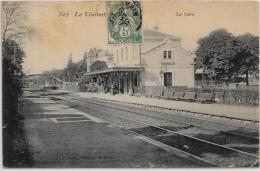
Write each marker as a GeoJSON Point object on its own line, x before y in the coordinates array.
{"type": "Point", "coordinates": [180, 65]}
{"type": "Point", "coordinates": [127, 55]}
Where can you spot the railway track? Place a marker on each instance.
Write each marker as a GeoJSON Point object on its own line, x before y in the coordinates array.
{"type": "Point", "coordinates": [175, 125]}
{"type": "Point", "coordinates": [172, 133]}
{"type": "Point", "coordinates": [187, 120]}
{"type": "Point", "coordinates": [234, 122]}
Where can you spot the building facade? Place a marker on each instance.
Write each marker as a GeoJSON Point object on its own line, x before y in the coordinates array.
{"type": "Point", "coordinates": [166, 62]}
{"type": "Point", "coordinates": [159, 61]}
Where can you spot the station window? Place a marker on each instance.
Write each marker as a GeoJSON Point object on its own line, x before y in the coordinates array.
{"type": "Point", "coordinates": [169, 54]}
{"type": "Point", "coordinates": [165, 54]}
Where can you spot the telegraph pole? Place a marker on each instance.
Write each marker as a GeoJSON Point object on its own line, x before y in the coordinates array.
{"type": "Point", "coordinates": [140, 57]}
{"type": "Point", "coordinates": [14, 60]}
{"type": "Point", "coordinates": [161, 74]}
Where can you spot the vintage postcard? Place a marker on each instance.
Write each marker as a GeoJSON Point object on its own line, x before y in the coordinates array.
{"type": "Point", "coordinates": [130, 84]}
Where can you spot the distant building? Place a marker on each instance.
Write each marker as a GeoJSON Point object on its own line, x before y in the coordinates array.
{"type": "Point", "coordinates": [95, 54]}
{"type": "Point", "coordinates": [158, 61]}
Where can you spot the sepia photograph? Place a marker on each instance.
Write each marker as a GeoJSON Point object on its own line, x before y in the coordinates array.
{"type": "Point", "coordinates": [130, 84]}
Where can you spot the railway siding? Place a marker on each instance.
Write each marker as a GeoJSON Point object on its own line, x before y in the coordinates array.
{"type": "Point", "coordinates": [173, 134]}
{"type": "Point", "coordinates": [249, 113]}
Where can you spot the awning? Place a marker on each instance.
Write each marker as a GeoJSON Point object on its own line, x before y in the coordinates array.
{"type": "Point", "coordinates": [115, 69]}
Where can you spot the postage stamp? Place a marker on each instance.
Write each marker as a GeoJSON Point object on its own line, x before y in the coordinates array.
{"type": "Point", "coordinates": [124, 22]}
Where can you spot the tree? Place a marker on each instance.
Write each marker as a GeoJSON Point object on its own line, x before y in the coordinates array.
{"type": "Point", "coordinates": [246, 60]}
{"type": "Point", "coordinates": [83, 63]}
{"type": "Point", "coordinates": [12, 51]}
{"type": "Point", "coordinates": [13, 23]}
{"type": "Point", "coordinates": [215, 54]}
{"type": "Point", "coordinates": [98, 66]}
{"type": "Point", "coordinates": [70, 70]}
{"type": "Point", "coordinates": [13, 30]}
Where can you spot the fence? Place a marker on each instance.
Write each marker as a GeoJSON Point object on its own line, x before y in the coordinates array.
{"type": "Point", "coordinates": [248, 95]}
{"type": "Point", "coordinates": [245, 95]}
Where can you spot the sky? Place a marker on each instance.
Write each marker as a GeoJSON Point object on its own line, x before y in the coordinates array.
{"type": "Point", "coordinates": [60, 33]}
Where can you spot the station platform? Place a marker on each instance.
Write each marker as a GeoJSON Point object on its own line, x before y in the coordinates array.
{"type": "Point", "coordinates": [64, 137]}
{"type": "Point", "coordinates": [250, 113]}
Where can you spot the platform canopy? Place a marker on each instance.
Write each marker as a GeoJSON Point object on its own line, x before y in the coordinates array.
{"type": "Point", "coordinates": [115, 69]}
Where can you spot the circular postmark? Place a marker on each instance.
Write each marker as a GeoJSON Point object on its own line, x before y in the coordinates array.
{"type": "Point", "coordinates": [125, 21]}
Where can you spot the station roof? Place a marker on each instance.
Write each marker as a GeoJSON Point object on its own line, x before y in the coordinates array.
{"type": "Point", "coordinates": [154, 34]}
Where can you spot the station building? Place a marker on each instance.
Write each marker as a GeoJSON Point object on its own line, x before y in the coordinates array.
{"type": "Point", "coordinates": [159, 61]}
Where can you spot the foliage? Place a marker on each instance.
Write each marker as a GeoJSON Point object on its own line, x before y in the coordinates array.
{"type": "Point", "coordinates": [225, 56]}
{"type": "Point", "coordinates": [215, 53]}
{"type": "Point", "coordinates": [72, 72]}
{"type": "Point", "coordinates": [247, 60]}
{"type": "Point", "coordinates": [15, 147]}
{"type": "Point", "coordinates": [12, 51]}
{"type": "Point", "coordinates": [98, 66]}
{"type": "Point", "coordinates": [12, 74]}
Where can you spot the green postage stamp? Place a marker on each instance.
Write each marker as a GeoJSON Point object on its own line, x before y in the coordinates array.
{"type": "Point", "coordinates": [124, 22]}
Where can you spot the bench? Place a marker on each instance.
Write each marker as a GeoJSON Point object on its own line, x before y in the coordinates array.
{"type": "Point", "coordinates": [205, 97]}
{"type": "Point", "coordinates": [177, 96]}
{"type": "Point", "coordinates": [189, 96]}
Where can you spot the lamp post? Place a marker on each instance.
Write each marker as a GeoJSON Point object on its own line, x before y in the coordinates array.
{"type": "Point", "coordinates": [202, 75]}
{"type": "Point", "coordinates": [140, 58]}
{"type": "Point", "coordinates": [161, 74]}
{"type": "Point", "coordinates": [14, 60]}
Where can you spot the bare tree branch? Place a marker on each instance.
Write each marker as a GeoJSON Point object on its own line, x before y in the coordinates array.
{"type": "Point", "coordinates": [13, 25]}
